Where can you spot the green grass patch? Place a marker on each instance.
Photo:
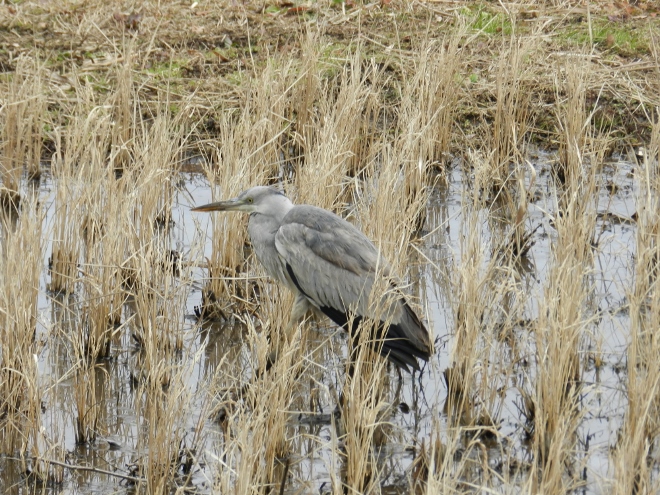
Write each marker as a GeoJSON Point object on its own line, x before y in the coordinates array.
{"type": "Point", "coordinates": [625, 39]}
{"type": "Point", "coordinates": [481, 19]}
{"type": "Point", "coordinates": [166, 70]}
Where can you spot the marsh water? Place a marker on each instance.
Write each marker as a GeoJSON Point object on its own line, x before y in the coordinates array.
{"type": "Point", "coordinates": [420, 404]}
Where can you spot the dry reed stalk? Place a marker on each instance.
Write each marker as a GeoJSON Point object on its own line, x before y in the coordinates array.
{"type": "Point", "coordinates": [104, 235]}
{"type": "Point", "coordinates": [429, 99]}
{"type": "Point", "coordinates": [565, 318]}
{"type": "Point", "coordinates": [156, 304]}
{"type": "Point", "coordinates": [512, 119]}
{"type": "Point", "coordinates": [87, 403]}
{"type": "Point", "coordinates": [508, 220]}
{"type": "Point", "coordinates": [144, 196]}
{"type": "Point", "coordinates": [258, 435]}
{"type": "Point", "coordinates": [519, 240]}
{"type": "Point", "coordinates": [124, 113]}
{"type": "Point", "coordinates": [116, 218]}
{"type": "Point", "coordinates": [102, 284]}
{"type": "Point", "coordinates": [427, 469]}
{"type": "Point", "coordinates": [488, 299]}
{"type": "Point", "coordinates": [363, 410]}
{"type": "Point", "coordinates": [483, 312]}
{"type": "Point", "coordinates": [150, 185]}
{"type": "Point", "coordinates": [157, 148]}
{"type": "Point", "coordinates": [163, 369]}
{"type": "Point", "coordinates": [39, 466]}
{"type": "Point", "coordinates": [304, 95]}
{"type": "Point", "coordinates": [20, 402]}
{"type": "Point", "coordinates": [38, 443]}
{"type": "Point", "coordinates": [163, 403]}
{"type": "Point", "coordinates": [500, 164]}
{"type": "Point", "coordinates": [341, 138]}
{"type": "Point", "coordinates": [21, 138]}
{"type": "Point", "coordinates": [437, 471]}
{"type": "Point", "coordinates": [573, 122]}
{"type": "Point", "coordinates": [79, 151]}
{"type": "Point", "coordinates": [631, 460]}
{"type": "Point", "coordinates": [157, 310]}
{"type": "Point", "coordinates": [385, 210]}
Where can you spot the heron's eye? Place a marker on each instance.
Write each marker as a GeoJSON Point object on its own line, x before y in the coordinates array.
{"type": "Point", "coordinates": [250, 200]}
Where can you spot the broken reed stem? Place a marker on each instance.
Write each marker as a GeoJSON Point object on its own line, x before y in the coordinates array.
{"type": "Point", "coordinates": [91, 469]}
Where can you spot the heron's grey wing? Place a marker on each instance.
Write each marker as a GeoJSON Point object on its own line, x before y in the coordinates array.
{"type": "Point", "coordinates": [335, 266]}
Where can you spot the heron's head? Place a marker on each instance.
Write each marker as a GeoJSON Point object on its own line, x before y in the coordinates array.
{"type": "Point", "coordinates": [260, 199]}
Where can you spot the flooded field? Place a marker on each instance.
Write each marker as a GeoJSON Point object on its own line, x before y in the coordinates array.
{"type": "Point", "coordinates": [413, 414]}
{"type": "Point", "coordinates": [504, 160]}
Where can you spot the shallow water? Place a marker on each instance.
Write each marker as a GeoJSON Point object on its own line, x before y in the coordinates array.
{"type": "Point", "coordinates": [116, 449]}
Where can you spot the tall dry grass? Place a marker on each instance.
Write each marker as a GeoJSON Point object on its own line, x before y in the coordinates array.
{"type": "Point", "coordinates": [22, 257]}
{"type": "Point", "coordinates": [23, 118]}
{"type": "Point", "coordinates": [515, 76]}
{"type": "Point", "coordinates": [112, 251]}
{"type": "Point", "coordinates": [368, 137]}
{"type": "Point", "coordinates": [79, 151]}
{"type": "Point", "coordinates": [632, 456]}
{"type": "Point", "coordinates": [567, 313]}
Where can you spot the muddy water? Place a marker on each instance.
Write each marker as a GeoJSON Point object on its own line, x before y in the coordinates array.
{"type": "Point", "coordinates": [116, 449]}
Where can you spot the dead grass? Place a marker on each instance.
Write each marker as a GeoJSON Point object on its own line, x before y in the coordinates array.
{"type": "Point", "coordinates": [632, 456]}
{"type": "Point", "coordinates": [320, 102]}
{"type": "Point", "coordinates": [22, 255]}
{"type": "Point", "coordinates": [23, 119]}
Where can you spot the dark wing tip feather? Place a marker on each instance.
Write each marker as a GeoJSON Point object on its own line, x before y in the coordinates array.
{"type": "Point", "coordinates": [396, 347]}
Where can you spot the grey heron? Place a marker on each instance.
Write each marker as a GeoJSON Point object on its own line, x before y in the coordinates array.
{"type": "Point", "coordinates": [331, 267]}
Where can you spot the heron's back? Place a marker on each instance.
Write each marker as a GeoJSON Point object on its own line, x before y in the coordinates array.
{"type": "Point", "coordinates": [336, 266]}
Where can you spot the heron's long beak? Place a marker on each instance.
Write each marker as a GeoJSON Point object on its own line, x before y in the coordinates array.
{"type": "Point", "coordinates": [229, 205]}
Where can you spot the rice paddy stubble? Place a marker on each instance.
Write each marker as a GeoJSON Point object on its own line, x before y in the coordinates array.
{"type": "Point", "coordinates": [286, 124]}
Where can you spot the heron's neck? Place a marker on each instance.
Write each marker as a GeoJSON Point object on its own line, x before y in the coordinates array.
{"type": "Point", "coordinates": [277, 210]}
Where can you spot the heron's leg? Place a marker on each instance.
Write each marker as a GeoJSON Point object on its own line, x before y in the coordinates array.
{"type": "Point", "coordinates": [353, 353]}
{"type": "Point", "coordinates": [300, 308]}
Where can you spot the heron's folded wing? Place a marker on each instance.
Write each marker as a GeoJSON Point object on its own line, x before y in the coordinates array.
{"type": "Point", "coordinates": [335, 266]}
{"type": "Point", "coordinates": [333, 262]}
